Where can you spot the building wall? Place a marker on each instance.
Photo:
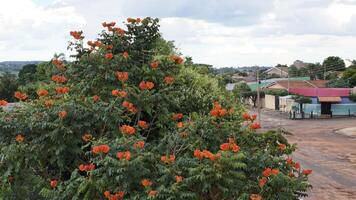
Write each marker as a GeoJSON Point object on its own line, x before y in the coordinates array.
{"type": "Point", "coordinates": [270, 102]}
{"type": "Point", "coordinates": [277, 72]}
{"type": "Point", "coordinates": [276, 86]}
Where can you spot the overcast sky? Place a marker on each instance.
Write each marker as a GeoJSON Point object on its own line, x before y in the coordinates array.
{"type": "Point", "coordinates": [218, 32]}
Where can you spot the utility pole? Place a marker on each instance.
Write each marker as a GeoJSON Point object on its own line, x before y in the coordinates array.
{"type": "Point", "coordinates": [258, 96]}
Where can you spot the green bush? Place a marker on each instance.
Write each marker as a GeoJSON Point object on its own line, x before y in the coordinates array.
{"type": "Point", "coordinates": [159, 131]}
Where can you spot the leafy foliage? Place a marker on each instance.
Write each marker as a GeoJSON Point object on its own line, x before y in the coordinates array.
{"type": "Point", "coordinates": [277, 92]}
{"type": "Point", "coordinates": [125, 120]}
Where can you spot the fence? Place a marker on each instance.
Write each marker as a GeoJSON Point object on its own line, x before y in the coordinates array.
{"type": "Point", "coordinates": [314, 111]}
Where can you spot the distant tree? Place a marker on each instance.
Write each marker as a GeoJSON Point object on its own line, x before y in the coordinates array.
{"type": "Point", "coordinates": [8, 86]}
{"type": "Point", "coordinates": [280, 65]}
{"type": "Point", "coordinates": [240, 89]}
{"type": "Point", "coordinates": [293, 71]}
{"type": "Point", "coordinates": [277, 92]}
{"type": "Point", "coordinates": [27, 74]}
{"type": "Point", "coordinates": [301, 100]}
{"type": "Point", "coordinates": [338, 83]}
{"type": "Point", "coordinates": [315, 71]}
{"type": "Point", "coordinates": [350, 75]}
{"type": "Point", "coordinates": [333, 63]}
{"type": "Point", "coordinates": [253, 96]}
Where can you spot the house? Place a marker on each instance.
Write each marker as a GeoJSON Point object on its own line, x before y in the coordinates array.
{"type": "Point", "coordinates": [288, 84]}
{"type": "Point", "coordinates": [277, 71]}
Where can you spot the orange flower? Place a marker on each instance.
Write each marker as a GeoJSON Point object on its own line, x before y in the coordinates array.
{"type": "Point", "coordinates": [87, 137]}
{"type": "Point", "coordinates": [108, 24]}
{"type": "Point", "coordinates": [180, 125]}
{"type": "Point", "coordinates": [142, 124]}
{"type": "Point", "coordinates": [291, 174]}
{"type": "Point", "coordinates": [282, 147]}
{"type": "Point", "coordinates": [49, 103]}
{"type": "Point", "coordinates": [139, 145]}
{"type": "Point", "coordinates": [53, 183]}
{"type": "Point", "coordinates": [42, 92]}
{"type": "Point", "coordinates": [96, 98]}
{"type": "Point", "coordinates": [177, 116]}
{"type": "Point", "coordinates": [275, 171]}
{"type": "Point", "coordinates": [183, 134]}
{"type": "Point", "coordinates": [58, 63]}
{"type": "Point", "coordinates": [153, 193]}
{"type": "Point", "coordinates": [168, 159]}
{"type": "Point", "coordinates": [246, 116]}
{"type": "Point", "coordinates": [3, 103]}
{"type": "Point", "coordinates": [125, 55]}
{"type": "Point", "coordinates": [20, 96]}
{"type": "Point", "coordinates": [62, 90]}
{"type": "Point", "coordinates": [19, 138]}
{"type": "Point", "coordinates": [262, 181]}
{"type": "Point", "coordinates": [77, 34]}
{"type": "Point", "coordinates": [217, 110]}
{"type": "Point", "coordinates": [109, 56]}
{"type": "Point", "coordinates": [289, 161]}
{"type": "Point", "coordinates": [297, 165]}
{"type": "Point", "coordinates": [206, 154]}
{"type": "Point", "coordinates": [116, 196]}
{"type": "Point", "coordinates": [179, 179]}
{"type": "Point", "coordinates": [168, 80]}
{"type": "Point", "coordinates": [230, 146]}
{"type": "Point", "coordinates": [225, 146]}
{"type": "Point", "coordinates": [255, 125]}
{"type": "Point", "coordinates": [267, 172]}
{"type": "Point", "coordinates": [146, 85]}
{"type": "Point", "coordinates": [128, 130]}
{"type": "Point", "coordinates": [307, 171]}
{"type": "Point", "coordinates": [62, 114]}
{"type": "Point", "coordinates": [255, 197]}
{"type": "Point", "coordinates": [107, 194]}
{"type": "Point", "coordinates": [100, 149]}
{"type": "Point", "coordinates": [198, 154]}
{"type": "Point", "coordinates": [118, 93]}
{"type": "Point", "coordinates": [131, 20]}
{"type": "Point", "coordinates": [59, 79]}
{"type": "Point", "coordinates": [88, 167]}
{"type": "Point", "coordinates": [122, 76]}
{"type": "Point", "coordinates": [154, 64]}
{"type": "Point", "coordinates": [129, 106]}
{"type": "Point", "coordinates": [124, 155]}
{"type": "Point", "coordinates": [146, 183]}
{"type": "Point", "coordinates": [177, 59]}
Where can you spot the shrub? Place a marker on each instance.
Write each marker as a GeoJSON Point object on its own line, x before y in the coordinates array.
{"type": "Point", "coordinates": [123, 122]}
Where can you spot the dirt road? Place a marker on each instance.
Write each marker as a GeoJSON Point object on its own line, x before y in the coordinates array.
{"type": "Point", "coordinates": [331, 156]}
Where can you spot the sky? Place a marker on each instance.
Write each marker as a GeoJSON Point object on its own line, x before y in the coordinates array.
{"type": "Point", "coordinates": [222, 33]}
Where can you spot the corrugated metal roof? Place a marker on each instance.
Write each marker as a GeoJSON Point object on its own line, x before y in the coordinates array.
{"type": "Point", "coordinates": [321, 92]}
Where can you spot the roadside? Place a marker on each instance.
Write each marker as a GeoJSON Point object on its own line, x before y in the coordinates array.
{"type": "Point", "coordinates": [327, 146]}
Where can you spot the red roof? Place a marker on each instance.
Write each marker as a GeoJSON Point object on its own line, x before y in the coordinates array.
{"type": "Point", "coordinates": [321, 92]}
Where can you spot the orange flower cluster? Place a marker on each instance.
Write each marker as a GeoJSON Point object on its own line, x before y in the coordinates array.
{"type": "Point", "coordinates": [20, 96]}
{"type": "Point", "coordinates": [59, 79]}
{"type": "Point", "coordinates": [307, 171]}
{"type": "Point", "coordinates": [146, 183]}
{"type": "Point", "coordinates": [19, 138]}
{"type": "Point", "coordinates": [154, 64]}
{"type": "Point", "coordinates": [117, 30]}
{"type": "Point", "coordinates": [128, 130]}
{"type": "Point", "coordinates": [177, 59]}
{"type": "Point", "coordinates": [139, 145]}
{"type": "Point", "coordinates": [95, 44]}
{"type": "Point", "coordinates": [53, 183]}
{"type": "Point", "coordinates": [42, 92]}
{"type": "Point", "coordinates": [58, 63]}
{"type": "Point", "coordinates": [262, 181]}
{"type": "Point", "coordinates": [62, 90]}
{"type": "Point", "coordinates": [255, 197]}
{"type": "Point", "coordinates": [168, 80]}
{"type": "Point", "coordinates": [146, 85]}
{"type": "Point", "coordinates": [168, 159]}
{"type": "Point", "coordinates": [124, 155]}
{"type": "Point", "coordinates": [217, 110]}
{"type": "Point", "coordinates": [109, 56]}
{"type": "Point", "coordinates": [96, 98]}
{"type": "Point", "coordinates": [206, 154]}
{"type": "Point", "coordinates": [153, 193]}
{"type": "Point", "coordinates": [107, 25]}
{"type": "Point", "coordinates": [179, 179]}
{"type": "Point", "coordinates": [77, 34]}
{"type": "Point", "coordinates": [49, 103]}
{"type": "Point", "coordinates": [87, 137]}
{"type": "Point", "coordinates": [122, 76]}
{"type": "Point", "coordinates": [86, 168]}
{"type": "Point", "coordinates": [125, 55]}
{"type": "Point", "coordinates": [118, 93]}
{"type": "Point", "coordinates": [177, 116]}
{"type": "Point", "coordinates": [129, 106]}
{"type": "Point", "coordinates": [268, 172]}
{"type": "Point", "coordinates": [248, 117]}
{"type": "Point", "coordinates": [3, 103]}
{"type": "Point", "coordinates": [132, 20]}
{"type": "Point", "coordinates": [255, 125]}
{"type": "Point", "coordinates": [116, 196]}
{"type": "Point", "coordinates": [62, 114]}
{"type": "Point", "coordinates": [142, 124]}
{"type": "Point", "coordinates": [282, 147]}
{"type": "Point", "coordinates": [100, 149]}
{"type": "Point", "coordinates": [231, 145]}
{"type": "Point", "coordinates": [180, 125]}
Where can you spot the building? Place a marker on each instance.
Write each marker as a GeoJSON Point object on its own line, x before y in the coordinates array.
{"type": "Point", "coordinates": [277, 71]}
{"type": "Point", "coordinates": [288, 84]}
